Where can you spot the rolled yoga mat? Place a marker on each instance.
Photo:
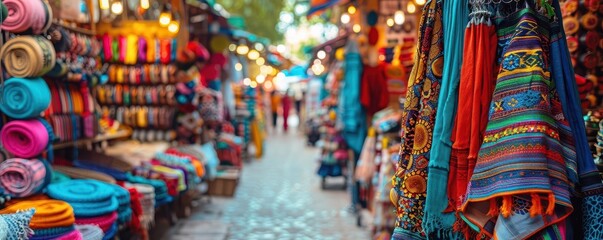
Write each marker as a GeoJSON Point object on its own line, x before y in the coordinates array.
{"type": "Point", "coordinates": [34, 16]}
{"type": "Point", "coordinates": [22, 178]}
{"type": "Point", "coordinates": [24, 98]}
{"type": "Point", "coordinates": [25, 138]}
{"type": "Point", "coordinates": [28, 56]}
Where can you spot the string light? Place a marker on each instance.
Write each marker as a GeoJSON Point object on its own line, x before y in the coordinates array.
{"type": "Point", "coordinates": [420, 2]}
{"type": "Point", "coordinates": [411, 8]}
{"type": "Point", "coordinates": [174, 26]}
{"type": "Point", "coordinates": [253, 84]}
{"type": "Point", "coordinates": [103, 4]}
{"type": "Point", "coordinates": [321, 54]}
{"type": "Point", "coordinates": [260, 79]}
{"type": "Point", "coordinates": [246, 81]}
{"type": "Point", "coordinates": [253, 55]}
{"type": "Point", "coordinates": [399, 17]}
{"type": "Point", "coordinates": [144, 4]}
{"type": "Point", "coordinates": [166, 15]}
{"type": "Point", "coordinates": [390, 22]}
{"type": "Point", "coordinates": [351, 9]}
{"type": "Point", "coordinates": [117, 8]}
{"type": "Point", "coordinates": [260, 61]}
{"type": "Point", "coordinates": [259, 46]}
{"type": "Point", "coordinates": [268, 85]}
{"type": "Point", "coordinates": [345, 18]}
{"type": "Point", "coordinates": [232, 47]}
{"type": "Point", "coordinates": [238, 67]}
{"type": "Point", "coordinates": [242, 49]}
{"type": "Point", "coordinates": [357, 28]}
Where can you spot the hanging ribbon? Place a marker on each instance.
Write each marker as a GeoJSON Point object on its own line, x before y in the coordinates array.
{"type": "Point", "coordinates": [28, 56]}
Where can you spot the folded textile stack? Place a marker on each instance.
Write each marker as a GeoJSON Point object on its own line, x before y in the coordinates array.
{"type": "Point", "coordinates": [147, 203]}
{"type": "Point", "coordinates": [78, 173]}
{"type": "Point", "coordinates": [196, 159]}
{"type": "Point", "coordinates": [16, 226]}
{"type": "Point", "coordinates": [174, 179]}
{"type": "Point", "coordinates": [160, 189]}
{"type": "Point", "coordinates": [177, 162]}
{"type": "Point", "coordinates": [90, 232]}
{"type": "Point", "coordinates": [23, 178]}
{"type": "Point", "coordinates": [53, 219]}
{"type": "Point", "coordinates": [93, 202]}
{"type": "Point", "coordinates": [124, 212]}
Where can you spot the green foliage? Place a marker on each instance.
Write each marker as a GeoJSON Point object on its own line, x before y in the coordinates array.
{"type": "Point", "coordinates": [261, 16]}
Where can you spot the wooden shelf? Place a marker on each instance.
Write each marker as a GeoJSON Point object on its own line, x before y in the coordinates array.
{"type": "Point", "coordinates": [99, 138]}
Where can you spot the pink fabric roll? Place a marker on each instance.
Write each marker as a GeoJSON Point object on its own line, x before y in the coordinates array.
{"type": "Point", "coordinates": [24, 138]}
{"type": "Point", "coordinates": [73, 235]}
{"type": "Point", "coordinates": [24, 15]}
{"type": "Point", "coordinates": [104, 222]}
{"type": "Point", "coordinates": [21, 177]}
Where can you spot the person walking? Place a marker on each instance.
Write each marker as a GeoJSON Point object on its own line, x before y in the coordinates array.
{"type": "Point", "coordinates": [286, 103]}
{"type": "Point", "coordinates": [275, 102]}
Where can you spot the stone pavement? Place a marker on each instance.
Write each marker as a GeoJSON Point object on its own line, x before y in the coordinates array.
{"type": "Point", "coordinates": [279, 197]}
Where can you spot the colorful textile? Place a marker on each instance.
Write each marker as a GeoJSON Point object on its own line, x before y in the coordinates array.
{"type": "Point", "coordinates": [455, 16]}
{"type": "Point", "coordinates": [105, 222]}
{"type": "Point", "coordinates": [16, 226]}
{"type": "Point", "coordinates": [351, 114]}
{"type": "Point", "coordinates": [520, 177]}
{"type": "Point", "coordinates": [48, 213]}
{"type": "Point", "coordinates": [24, 98]}
{"type": "Point", "coordinates": [410, 180]}
{"type": "Point", "coordinates": [374, 94]}
{"type": "Point", "coordinates": [23, 178]}
{"type": "Point", "coordinates": [90, 231]}
{"type": "Point", "coordinates": [25, 138]}
{"type": "Point", "coordinates": [89, 198]}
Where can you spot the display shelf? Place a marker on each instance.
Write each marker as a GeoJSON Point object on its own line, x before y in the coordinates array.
{"type": "Point", "coordinates": [99, 138]}
{"type": "Point", "coordinates": [74, 29]}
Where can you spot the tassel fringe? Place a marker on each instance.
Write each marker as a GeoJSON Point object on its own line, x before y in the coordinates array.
{"type": "Point", "coordinates": [550, 209]}
{"type": "Point", "coordinates": [507, 205]}
{"type": "Point", "coordinates": [493, 212]}
{"type": "Point", "coordinates": [536, 208]}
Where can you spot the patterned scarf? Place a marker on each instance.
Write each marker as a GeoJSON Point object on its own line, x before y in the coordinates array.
{"type": "Point", "coordinates": [410, 180]}
{"type": "Point", "coordinates": [520, 177]}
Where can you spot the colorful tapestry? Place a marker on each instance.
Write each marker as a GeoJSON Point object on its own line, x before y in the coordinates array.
{"type": "Point", "coordinates": [410, 180]}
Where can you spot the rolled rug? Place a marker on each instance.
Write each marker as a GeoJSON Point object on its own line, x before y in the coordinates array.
{"type": "Point", "coordinates": [25, 138]}
{"type": "Point", "coordinates": [24, 98]}
{"type": "Point", "coordinates": [90, 232]}
{"type": "Point", "coordinates": [22, 178]}
{"type": "Point", "coordinates": [89, 198]}
{"type": "Point", "coordinates": [27, 15]}
{"type": "Point", "coordinates": [48, 214]}
{"type": "Point", "coordinates": [28, 56]}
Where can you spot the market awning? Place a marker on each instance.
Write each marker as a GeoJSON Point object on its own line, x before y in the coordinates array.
{"type": "Point", "coordinates": [317, 6]}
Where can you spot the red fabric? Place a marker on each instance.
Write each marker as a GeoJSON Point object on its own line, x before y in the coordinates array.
{"type": "Point", "coordinates": [478, 79]}
{"type": "Point", "coordinates": [374, 95]}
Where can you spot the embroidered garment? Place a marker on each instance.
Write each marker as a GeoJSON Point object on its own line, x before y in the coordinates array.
{"type": "Point", "coordinates": [521, 166]}
{"type": "Point", "coordinates": [410, 180]}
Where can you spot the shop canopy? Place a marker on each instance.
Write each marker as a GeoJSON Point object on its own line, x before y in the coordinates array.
{"type": "Point", "coordinates": [317, 6]}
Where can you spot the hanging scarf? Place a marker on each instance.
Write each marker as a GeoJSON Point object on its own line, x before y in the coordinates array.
{"type": "Point", "coordinates": [410, 180]}
{"type": "Point", "coordinates": [455, 18]}
{"type": "Point", "coordinates": [520, 176]}
{"type": "Point", "coordinates": [587, 176]}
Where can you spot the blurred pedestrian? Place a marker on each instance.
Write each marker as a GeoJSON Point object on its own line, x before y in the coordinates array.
{"type": "Point", "coordinates": [275, 103]}
{"type": "Point", "coordinates": [286, 103]}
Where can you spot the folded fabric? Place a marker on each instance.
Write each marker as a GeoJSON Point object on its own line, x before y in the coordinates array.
{"type": "Point", "coordinates": [104, 160]}
{"type": "Point", "coordinates": [16, 226]}
{"type": "Point", "coordinates": [25, 15]}
{"type": "Point", "coordinates": [111, 233]}
{"type": "Point", "coordinates": [51, 233]}
{"type": "Point", "coordinates": [105, 222]}
{"type": "Point", "coordinates": [24, 98]}
{"type": "Point", "coordinates": [48, 213]}
{"type": "Point", "coordinates": [147, 203]}
{"type": "Point", "coordinates": [78, 173]}
{"type": "Point", "coordinates": [25, 138]}
{"type": "Point", "coordinates": [73, 235]}
{"type": "Point", "coordinates": [118, 175]}
{"type": "Point", "coordinates": [89, 198]}
{"type": "Point", "coordinates": [30, 198]}
{"type": "Point", "coordinates": [123, 198]}
{"type": "Point", "coordinates": [22, 178]}
{"type": "Point", "coordinates": [90, 231]}
{"type": "Point", "coordinates": [28, 56]}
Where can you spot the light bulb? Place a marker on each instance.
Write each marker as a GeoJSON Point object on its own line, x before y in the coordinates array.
{"type": "Point", "coordinates": [165, 18]}
{"type": "Point", "coordinates": [411, 8]}
{"type": "Point", "coordinates": [253, 84]}
{"type": "Point", "coordinates": [420, 2]}
{"type": "Point", "coordinates": [239, 67]}
{"type": "Point", "coordinates": [253, 55]}
{"type": "Point", "coordinates": [268, 85]}
{"type": "Point", "coordinates": [321, 54]}
{"type": "Point", "coordinates": [232, 47]}
{"type": "Point", "coordinates": [390, 22]}
{"type": "Point", "coordinates": [242, 50]}
{"type": "Point", "coordinates": [351, 9]}
{"type": "Point", "coordinates": [357, 28]}
{"type": "Point", "coordinates": [174, 26]}
{"type": "Point", "coordinates": [117, 8]}
{"type": "Point", "coordinates": [246, 81]}
{"type": "Point", "coordinates": [144, 4]}
{"type": "Point", "coordinates": [103, 4]}
{"type": "Point", "coordinates": [260, 79]}
{"type": "Point", "coordinates": [317, 61]}
{"type": "Point", "coordinates": [345, 18]}
{"type": "Point", "coordinates": [281, 48]}
{"type": "Point", "coordinates": [399, 17]}
{"type": "Point", "coordinates": [259, 46]}
{"type": "Point", "coordinates": [260, 61]}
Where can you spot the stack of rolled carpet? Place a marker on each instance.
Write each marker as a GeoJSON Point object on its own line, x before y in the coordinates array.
{"type": "Point", "coordinates": [22, 178]}
{"type": "Point", "coordinates": [53, 219]}
{"type": "Point", "coordinates": [124, 212]}
{"type": "Point", "coordinates": [162, 196]}
{"type": "Point", "coordinates": [147, 203]}
{"type": "Point", "coordinates": [93, 202]}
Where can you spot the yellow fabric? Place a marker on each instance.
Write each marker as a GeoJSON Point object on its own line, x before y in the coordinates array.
{"type": "Point", "coordinates": [275, 102]}
{"type": "Point", "coordinates": [131, 49]}
{"type": "Point", "coordinates": [151, 49]}
{"type": "Point", "coordinates": [167, 170]}
{"type": "Point", "coordinates": [49, 213]}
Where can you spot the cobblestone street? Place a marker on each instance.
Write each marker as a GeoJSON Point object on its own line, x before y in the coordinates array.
{"type": "Point", "coordinates": [279, 197]}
